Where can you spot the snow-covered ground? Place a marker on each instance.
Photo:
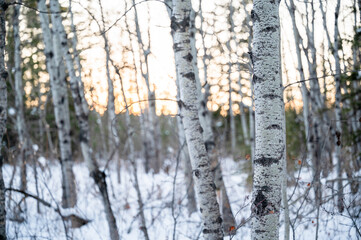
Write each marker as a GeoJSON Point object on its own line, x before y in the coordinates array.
{"type": "Point", "coordinates": [157, 196]}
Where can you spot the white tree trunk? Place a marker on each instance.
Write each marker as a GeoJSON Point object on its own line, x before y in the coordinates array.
{"type": "Point", "coordinates": [270, 121]}
{"type": "Point", "coordinates": [205, 187]}
{"type": "Point", "coordinates": [130, 133]}
{"type": "Point", "coordinates": [3, 113]}
{"type": "Point", "coordinates": [81, 110]}
{"type": "Point", "coordinates": [184, 154]}
{"type": "Point", "coordinates": [304, 91]}
{"type": "Point", "coordinates": [152, 130]}
{"type": "Point", "coordinates": [187, 167]}
{"type": "Point", "coordinates": [112, 122]}
{"type": "Point", "coordinates": [24, 140]}
{"type": "Point", "coordinates": [241, 108]}
{"type": "Point", "coordinates": [338, 116]}
{"type": "Point", "coordinates": [208, 136]}
{"type": "Point", "coordinates": [57, 76]}
{"type": "Point", "coordinates": [250, 109]}
{"type": "Point", "coordinates": [232, 124]}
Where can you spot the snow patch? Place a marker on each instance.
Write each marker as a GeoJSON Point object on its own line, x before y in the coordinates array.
{"type": "Point", "coordinates": [12, 111]}
{"type": "Point", "coordinates": [42, 160]}
{"type": "Point", "coordinates": [35, 148]}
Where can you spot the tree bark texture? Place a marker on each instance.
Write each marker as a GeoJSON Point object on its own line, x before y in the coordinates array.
{"type": "Point", "coordinates": [82, 113]}
{"type": "Point", "coordinates": [3, 114]}
{"type": "Point", "coordinates": [205, 187]}
{"type": "Point", "coordinates": [184, 154]}
{"type": "Point", "coordinates": [58, 82]}
{"type": "Point", "coordinates": [269, 120]}
{"type": "Point", "coordinates": [208, 135]}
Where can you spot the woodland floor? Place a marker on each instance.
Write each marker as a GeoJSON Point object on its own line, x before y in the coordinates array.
{"type": "Point", "coordinates": [157, 192]}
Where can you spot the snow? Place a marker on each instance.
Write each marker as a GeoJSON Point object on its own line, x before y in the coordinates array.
{"type": "Point", "coordinates": [12, 111]}
{"type": "Point", "coordinates": [35, 147]}
{"type": "Point", "coordinates": [42, 160]}
{"type": "Point", "coordinates": [157, 196]}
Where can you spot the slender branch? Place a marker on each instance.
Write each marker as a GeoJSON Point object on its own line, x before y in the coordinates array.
{"type": "Point", "coordinates": [116, 21]}
{"type": "Point", "coordinates": [147, 100]}
{"type": "Point", "coordinates": [32, 196]}
{"type": "Point", "coordinates": [309, 79]}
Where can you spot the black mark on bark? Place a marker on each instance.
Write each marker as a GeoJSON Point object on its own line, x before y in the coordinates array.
{"type": "Point", "coordinates": [260, 203]}
{"type": "Point", "coordinates": [266, 161]}
{"type": "Point", "coordinates": [257, 79]}
{"type": "Point", "coordinates": [188, 57]}
{"type": "Point", "coordinates": [274, 126]}
{"type": "Point", "coordinates": [190, 75]}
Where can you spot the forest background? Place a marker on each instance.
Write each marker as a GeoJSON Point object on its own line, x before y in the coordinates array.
{"type": "Point", "coordinates": [118, 56]}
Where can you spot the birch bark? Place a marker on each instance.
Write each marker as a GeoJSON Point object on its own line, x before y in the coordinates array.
{"type": "Point", "coordinates": [241, 105]}
{"type": "Point", "coordinates": [57, 76]}
{"type": "Point", "coordinates": [230, 110]}
{"type": "Point", "coordinates": [184, 155]}
{"type": "Point", "coordinates": [205, 187]}
{"type": "Point", "coordinates": [338, 116]}
{"type": "Point", "coordinates": [250, 109]}
{"type": "Point", "coordinates": [269, 107]}
{"type": "Point", "coordinates": [230, 89]}
{"type": "Point", "coordinates": [24, 140]}
{"type": "Point", "coordinates": [82, 112]}
{"type": "Point", "coordinates": [241, 108]}
{"type": "Point", "coordinates": [208, 136]}
{"type": "Point", "coordinates": [112, 127]}
{"type": "Point", "coordinates": [3, 113]}
{"type": "Point", "coordinates": [152, 130]}
{"type": "Point", "coordinates": [311, 106]}
{"type": "Point", "coordinates": [130, 133]}
{"type": "Point", "coordinates": [304, 91]}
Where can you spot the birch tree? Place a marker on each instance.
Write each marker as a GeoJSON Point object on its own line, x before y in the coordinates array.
{"type": "Point", "coordinates": [184, 154]}
{"type": "Point", "coordinates": [206, 124]}
{"type": "Point", "coordinates": [112, 127]}
{"type": "Point", "coordinates": [304, 90]}
{"type": "Point", "coordinates": [3, 113]}
{"type": "Point", "coordinates": [132, 158]}
{"type": "Point", "coordinates": [312, 102]}
{"type": "Point", "coordinates": [250, 68]}
{"type": "Point", "coordinates": [205, 187]}
{"type": "Point", "coordinates": [151, 126]}
{"type": "Point", "coordinates": [82, 115]}
{"type": "Point", "coordinates": [56, 69]}
{"type": "Point", "coordinates": [269, 120]}
{"type": "Point", "coordinates": [24, 140]}
{"type": "Point", "coordinates": [338, 116]}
